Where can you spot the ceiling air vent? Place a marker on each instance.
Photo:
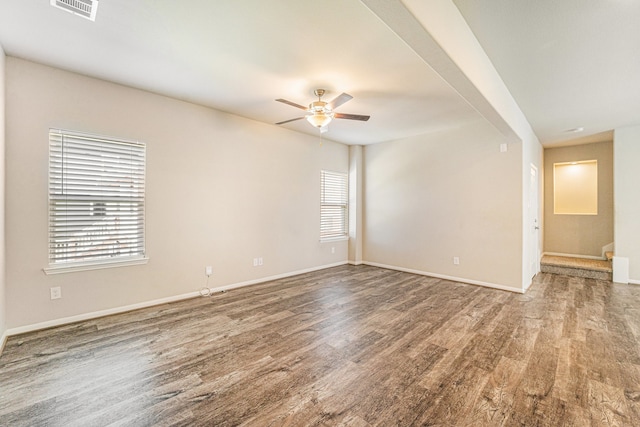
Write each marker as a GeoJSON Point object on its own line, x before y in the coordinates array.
{"type": "Point", "coordinates": [85, 8]}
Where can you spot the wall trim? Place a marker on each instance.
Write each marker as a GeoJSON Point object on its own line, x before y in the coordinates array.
{"type": "Point", "coordinates": [573, 255]}
{"type": "Point", "coordinates": [620, 266]}
{"type": "Point", "coordinates": [611, 247]}
{"type": "Point", "coordinates": [3, 341]}
{"type": "Point", "coordinates": [95, 314]}
{"type": "Point", "coordinates": [442, 276]}
{"type": "Point", "coordinates": [526, 288]}
{"type": "Point", "coordinates": [270, 278]}
{"type": "Point", "coordinates": [634, 282]}
{"type": "Point", "coordinates": [145, 304]}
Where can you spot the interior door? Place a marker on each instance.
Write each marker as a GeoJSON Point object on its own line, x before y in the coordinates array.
{"type": "Point", "coordinates": [534, 223]}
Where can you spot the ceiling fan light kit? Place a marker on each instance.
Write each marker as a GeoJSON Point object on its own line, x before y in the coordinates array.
{"type": "Point", "coordinates": [319, 119]}
{"type": "Point", "coordinates": [320, 113]}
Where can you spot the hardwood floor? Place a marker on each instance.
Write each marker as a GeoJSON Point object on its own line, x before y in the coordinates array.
{"type": "Point", "coordinates": [354, 346]}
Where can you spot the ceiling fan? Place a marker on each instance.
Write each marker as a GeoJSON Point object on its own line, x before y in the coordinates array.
{"type": "Point", "coordinates": [320, 113]}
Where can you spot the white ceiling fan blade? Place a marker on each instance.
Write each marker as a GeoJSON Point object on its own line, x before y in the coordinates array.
{"type": "Point", "coordinates": [339, 100]}
{"type": "Point", "coordinates": [290, 120]}
{"type": "Point", "coordinates": [351, 116]}
{"type": "Point", "coordinates": [293, 104]}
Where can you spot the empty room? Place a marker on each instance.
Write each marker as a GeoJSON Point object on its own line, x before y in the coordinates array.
{"type": "Point", "coordinates": [305, 213]}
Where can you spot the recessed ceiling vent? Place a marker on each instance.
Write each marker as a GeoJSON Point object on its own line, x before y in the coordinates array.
{"type": "Point", "coordinates": [85, 8]}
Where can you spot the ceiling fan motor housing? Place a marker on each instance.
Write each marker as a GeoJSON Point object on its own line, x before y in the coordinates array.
{"type": "Point", "coordinates": [319, 106]}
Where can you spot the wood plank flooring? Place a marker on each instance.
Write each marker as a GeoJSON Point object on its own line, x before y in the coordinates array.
{"type": "Point", "coordinates": [347, 346]}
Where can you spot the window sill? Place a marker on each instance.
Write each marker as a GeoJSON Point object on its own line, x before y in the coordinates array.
{"type": "Point", "coordinates": [334, 239]}
{"type": "Point", "coordinates": [71, 268]}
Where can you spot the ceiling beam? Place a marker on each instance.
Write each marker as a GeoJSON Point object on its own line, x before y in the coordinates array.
{"type": "Point", "coordinates": [397, 16]}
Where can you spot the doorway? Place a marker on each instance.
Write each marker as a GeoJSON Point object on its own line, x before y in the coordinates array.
{"type": "Point", "coordinates": [534, 223]}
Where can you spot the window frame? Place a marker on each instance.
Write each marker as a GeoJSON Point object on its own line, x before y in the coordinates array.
{"type": "Point", "coordinates": [100, 172]}
{"type": "Point", "coordinates": [333, 196]}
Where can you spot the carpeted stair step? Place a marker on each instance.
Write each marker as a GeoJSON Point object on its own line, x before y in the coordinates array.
{"type": "Point", "coordinates": [577, 267]}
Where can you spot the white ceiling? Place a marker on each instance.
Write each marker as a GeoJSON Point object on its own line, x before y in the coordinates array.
{"type": "Point", "coordinates": [568, 64]}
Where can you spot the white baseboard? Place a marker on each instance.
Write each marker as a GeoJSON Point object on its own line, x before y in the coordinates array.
{"type": "Point", "coordinates": [95, 314]}
{"type": "Point", "coordinates": [620, 269]}
{"type": "Point", "coordinates": [145, 304]}
{"type": "Point", "coordinates": [356, 262]}
{"type": "Point", "coordinates": [634, 282]}
{"type": "Point", "coordinates": [526, 288]}
{"type": "Point", "coordinates": [573, 255]}
{"type": "Point", "coordinates": [276, 277]}
{"type": "Point", "coordinates": [442, 276]}
{"type": "Point", "coordinates": [151, 303]}
{"type": "Point", "coordinates": [3, 341]}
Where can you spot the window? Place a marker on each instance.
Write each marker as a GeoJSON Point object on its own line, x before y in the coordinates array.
{"type": "Point", "coordinates": [333, 205]}
{"type": "Point", "coordinates": [96, 201]}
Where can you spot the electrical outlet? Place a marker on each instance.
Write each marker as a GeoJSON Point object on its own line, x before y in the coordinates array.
{"type": "Point", "coordinates": [456, 260]}
{"type": "Point", "coordinates": [208, 270]}
{"type": "Point", "coordinates": [56, 292]}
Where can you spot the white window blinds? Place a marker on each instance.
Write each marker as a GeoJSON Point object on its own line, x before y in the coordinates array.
{"type": "Point", "coordinates": [96, 199]}
{"type": "Point", "coordinates": [333, 205]}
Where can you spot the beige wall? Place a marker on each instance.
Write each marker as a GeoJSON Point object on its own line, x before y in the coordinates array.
{"type": "Point", "coordinates": [627, 198]}
{"type": "Point", "coordinates": [3, 308]}
{"type": "Point", "coordinates": [455, 53]}
{"type": "Point", "coordinates": [221, 190]}
{"type": "Point", "coordinates": [580, 234]}
{"type": "Point", "coordinates": [434, 197]}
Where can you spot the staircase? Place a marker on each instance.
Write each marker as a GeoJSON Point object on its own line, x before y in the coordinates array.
{"type": "Point", "coordinates": [578, 267]}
